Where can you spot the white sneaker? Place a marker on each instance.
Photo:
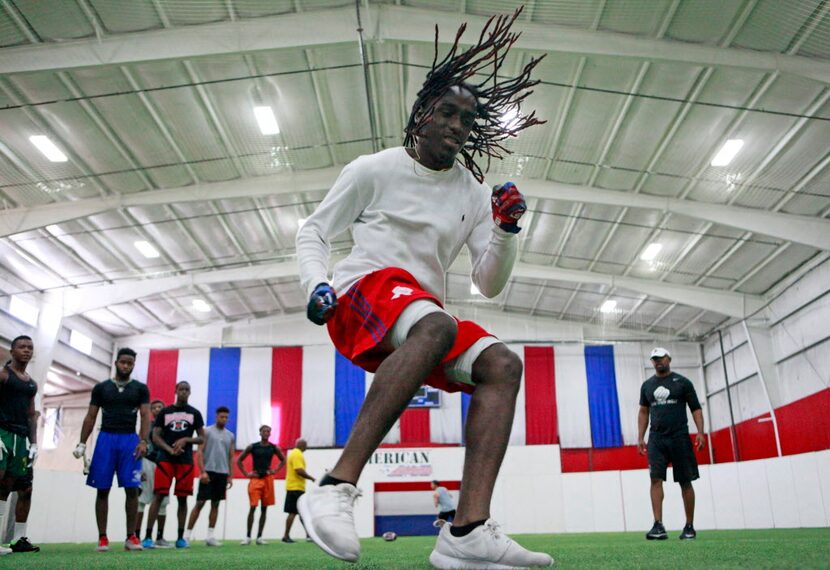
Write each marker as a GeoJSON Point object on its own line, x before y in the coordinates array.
{"type": "Point", "coordinates": [212, 542]}
{"type": "Point", "coordinates": [260, 541]}
{"type": "Point", "coordinates": [328, 514]}
{"type": "Point", "coordinates": [246, 541]}
{"type": "Point", "coordinates": [485, 547]}
{"type": "Point", "coordinates": [4, 550]}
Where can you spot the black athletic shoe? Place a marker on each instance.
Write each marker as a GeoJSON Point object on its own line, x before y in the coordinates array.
{"type": "Point", "coordinates": [657, 532]}
{"type": "Point", "coordinates": [688, 533]}
{"type": "Point", "coordinates": [23, 545]}
{"type": "Point", "coordinates": [287, 540]}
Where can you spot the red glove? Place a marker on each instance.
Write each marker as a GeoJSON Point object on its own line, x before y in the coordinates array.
{"type": "Point", "coordinates": [508, 206]}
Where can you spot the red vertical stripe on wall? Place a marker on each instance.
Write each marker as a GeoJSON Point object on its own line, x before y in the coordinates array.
{"type": "Point", "coordinates": [287, 394]}
{"type": "Point", "coordinates": [162, 371]}
{"type": "Point", "coordinates": [415, 427]}
{"type": "Point", "coordinates": [540, 396]}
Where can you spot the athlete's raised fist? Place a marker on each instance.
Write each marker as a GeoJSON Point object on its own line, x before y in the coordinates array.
{"type": "Point", "coordinates": [322, 304]}
{"type": "Point", "coordinates": [508, 206]}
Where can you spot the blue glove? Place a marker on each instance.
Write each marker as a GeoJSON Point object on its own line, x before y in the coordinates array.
{"type": "Point", "coordinates": [322, 304]}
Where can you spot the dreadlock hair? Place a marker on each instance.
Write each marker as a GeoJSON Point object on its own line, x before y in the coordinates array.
{"type": "Point", "coordinates": [493, 101]}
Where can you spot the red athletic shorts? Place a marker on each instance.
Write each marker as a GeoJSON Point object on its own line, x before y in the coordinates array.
{"type": "Point", "coordinates": [166, 472]}
{"type": "Point", "coordinates": [368, 310]}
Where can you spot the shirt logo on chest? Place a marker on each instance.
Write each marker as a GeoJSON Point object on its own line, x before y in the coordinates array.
{"type": "Point", "coordinates": [661, 395]}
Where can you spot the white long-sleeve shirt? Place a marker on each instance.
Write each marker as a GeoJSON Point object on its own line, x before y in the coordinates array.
{"type": "Point", "coordinates": [405, 215]}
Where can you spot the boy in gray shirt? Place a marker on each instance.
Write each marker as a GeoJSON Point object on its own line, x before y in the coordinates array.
{"type": "Point", "coordinates": [214, 460]}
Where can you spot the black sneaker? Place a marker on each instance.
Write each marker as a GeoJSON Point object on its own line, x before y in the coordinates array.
{"type": "Point", "coordinates": [688, 533]}
{"type": "Point", "coordinates": [657, 532]}
{"type": "Point", "coordinates": [287, 540]}
{"type": "Point", "coordinates": [23, 545]}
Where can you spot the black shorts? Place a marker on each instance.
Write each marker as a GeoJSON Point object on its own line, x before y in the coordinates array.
{"type": "Point", "coordinates": [291, 498]}
{"type": "Point", "coordinates": [24, 482]}
{"type": "Point", "coordinates": [214, 490]}
{"type": "Point", "coordinates": [676, 450]}
{"type": "Point", "coordinates": [446, 515]}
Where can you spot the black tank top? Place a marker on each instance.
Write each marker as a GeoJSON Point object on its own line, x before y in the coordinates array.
{"type": "Point", "coordinates": [15, 398]}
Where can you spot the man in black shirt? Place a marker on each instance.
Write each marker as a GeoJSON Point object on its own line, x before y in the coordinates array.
{"type": "Point", "coordinates": [261, 484]}
{"type": "Point", "coordinates": [663, 401]}
{"type": "Point", "coordinates": [118, 448]}
{"type": "Point", "coordinates": [173, 436]}
{"type": "Point", "coordinates": [18, 423]}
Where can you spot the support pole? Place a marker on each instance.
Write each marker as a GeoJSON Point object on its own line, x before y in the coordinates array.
{"type": "Point", "coordinates": [733, 435]}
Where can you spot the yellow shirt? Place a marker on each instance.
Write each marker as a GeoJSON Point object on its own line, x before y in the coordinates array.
{"type": "Point", "coordinates": [294, 482]}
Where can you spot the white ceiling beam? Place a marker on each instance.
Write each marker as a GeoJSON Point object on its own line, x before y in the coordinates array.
{"type": "Point", "coordinates": [295, 329]}
{"type": "Point", "coordinates": [807, 230]}
{"type": "Point", "coordinates": [87, 298]}
{"type": "Point", "coordinates": [82, 299]}
{"type": "Point", "coordinates": [18, 220]}
{"type": "Point", "coordinates": [383, 23]}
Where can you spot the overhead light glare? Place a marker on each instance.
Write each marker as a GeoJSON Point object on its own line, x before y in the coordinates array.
{"type": "Point", "coordinates": [301, 222]}
{"type": "Point", "coordinates": [45, 145]}
{"type": "Point", "coordinates": [54, 229]}
{"type": "Point", "coordinates": [510, 118]}
{"type": "Point", "coordinates": [80, 342]}
{"type": "Point", "coordinates": [23, 310]}
{"type": "Point", "coordinates": [201, 306]}
{"type": "Point", "coordinates": [608, 306]}
{"type": "Point", "coordinates": [266, 120]}
{"type": "Point", "coordinates": [474, 290]}
{"type": "Point", "coordinates": [727, 152]}
{"type": "Point", "coordinates": [650, 252]}
{"type": "Point", "coordinates": [147, 249]}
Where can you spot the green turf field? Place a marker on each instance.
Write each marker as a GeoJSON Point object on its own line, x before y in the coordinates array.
{"type": "Point", "coordinates": [753, 549]}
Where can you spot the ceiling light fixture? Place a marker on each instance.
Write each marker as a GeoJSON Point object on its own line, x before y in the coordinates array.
{"type": "Point", "coordinates": [201, 306]}
{"type": "Point", "coordinates": [266, 120]}
{"type": "Point", "coordinates": [45, 145]}
{"type": "Point", "coordinates": [727, 152]}
{"type": "Point", "coordinates": [651, 251]}
{"type": "Point", "coordinates": [146, 249]}
{"type": "Point", "coordinates": [608, 306]}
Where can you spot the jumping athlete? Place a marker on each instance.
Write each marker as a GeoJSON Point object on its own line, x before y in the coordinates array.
{"type": "Point", "coordinates": [411, 210]}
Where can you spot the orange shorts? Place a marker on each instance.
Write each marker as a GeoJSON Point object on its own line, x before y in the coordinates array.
{"type": "Point", "coordinates": [261, 489]}
{"type": "Point", "coordinates": [368, 310]}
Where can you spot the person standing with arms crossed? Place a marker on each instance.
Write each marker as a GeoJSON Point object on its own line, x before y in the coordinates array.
{"type": "Point", "coordinates": [411, 210]}
{"type": "Point", "coordinates": [173, 435]}
{"type": "Point", "coordinates": [214, 460]}
{"type": "Point", "coordinates": [118, 449]}
{"type": "Point", "coordinates": [295, 478]}
{"type": "Point", "coordinates": [663, 401]}
{"type": "Point", "coordinates": [18, 421]}
{"type": "Point", "coordinates": [261, 484]}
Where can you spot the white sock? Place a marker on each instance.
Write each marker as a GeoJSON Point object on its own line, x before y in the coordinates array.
{"type": "Point", "coordinates": [3, 505]}
{"type": "Point", "coordinates": [19, 531]}
{"type": "Point", "coordinates": [210, 533]}
{"type": "Point", "coordinates": [188, 534]}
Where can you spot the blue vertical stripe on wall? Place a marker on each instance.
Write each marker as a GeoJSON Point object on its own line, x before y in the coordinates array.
{"type": "Point", "coordinates": [223, 384]}
{"type": "Point", "coordinates": [349, 392]}
{"type": "Point", "coordinates": [465, 407]}
{"type": "Point", "coordinates": [603, 404]}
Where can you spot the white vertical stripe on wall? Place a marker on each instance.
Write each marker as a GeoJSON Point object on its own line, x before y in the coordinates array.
{"type": "Point", "coordinates": [194, 366]}
{"type": "Point", "coordinates": [318, 396]}
{"type": "Point", "coordinates": [628, 369]}
{"type": "Point", "coordinates": [445, 422]}
{"type": "Point", "coordinates": [254, 400]}
{"type": "Point", "coordinates": [142, 363]}
{"type": "Point", "coordinates": [518, 435]}
{"type": "Point", "coordinates": [572, 396]}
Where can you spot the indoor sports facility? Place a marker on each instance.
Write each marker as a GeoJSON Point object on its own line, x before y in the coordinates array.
{"type": "Point", "coordinates": [158, 158]}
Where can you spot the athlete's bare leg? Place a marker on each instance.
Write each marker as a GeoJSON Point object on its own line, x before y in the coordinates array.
{"type": "Point", "coordinates": [395, 382]}
{"type": "Point", "coordinates": [497, 373]}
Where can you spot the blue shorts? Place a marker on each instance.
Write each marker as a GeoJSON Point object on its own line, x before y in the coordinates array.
{"type": "Point", "coordinates": [114, 454]}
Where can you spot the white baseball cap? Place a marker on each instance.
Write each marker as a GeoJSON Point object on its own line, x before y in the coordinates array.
{"type": "Point", "coordinates": [659, 352]}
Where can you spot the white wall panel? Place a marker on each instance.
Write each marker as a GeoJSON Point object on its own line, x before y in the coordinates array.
{"type": "Point", "coordinates": [823, 469]}
{"type": "Point", "coordinates": [636, 500]}
{"type": "Point", "coordinates": [805, 290]}
{"type": "Point", "coordinates": [782, 494]}
{"type": "Point", "coordinates": [318, 396]}
{"type": "Point", "coordinates": [704, 503]}
{"type": "Point", "coordinates": [578, 503]}
{"type": "Point", "coordinates": [606, 495]}
{"type": "Point", "coordinates": [804, 374]}
{"type": "Point", "coordinates": [749, 400]}
{"type": "Point", "coordinates": [726, 495]}
{"type": "Point", "coordinates": [628, 368]}
{"type": "Point", "coordinates": [755, 494]}
{"type": "Point", "coordinates": [254, 396]}
{"type": "Point", "coordinates": [572, 396]}
{"type": "Point", "coordinates": [808, 490]}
